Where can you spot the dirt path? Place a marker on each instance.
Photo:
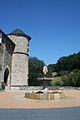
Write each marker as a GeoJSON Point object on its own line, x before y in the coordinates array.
{"type": "Point", "coordinates": [17, 100]}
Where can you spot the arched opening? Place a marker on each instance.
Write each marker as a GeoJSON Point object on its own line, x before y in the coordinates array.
{"type": "Point", "coordinates": [6, 74]}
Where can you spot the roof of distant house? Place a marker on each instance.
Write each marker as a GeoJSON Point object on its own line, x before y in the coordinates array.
{"type": "Point", "coordinates": [19, 32]}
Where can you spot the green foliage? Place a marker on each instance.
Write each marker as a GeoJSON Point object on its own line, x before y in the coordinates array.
{"type": "Point", "coordinates": [3, 86]}
{"type": "Point", "coordinates": [51, 68]}
{"type": "Point", "coordinates": [68, 63]}
{"type": "Point", "coordinates": [71, 79]}
{"type": "Point", "coordinates": [54, 74]}
{"type": "Point", "coordinates": [0, 67]}
{"type": "Point", "coordinates": [35, 71]}
{"type": "Point", "coordinates": [56, 81]}
{"type": "Point", "coordinates": [68, 68]}
{"type": "Point", "coordinates": [66, 80]}
{"type": "Point", "coordinates": [64, 72]}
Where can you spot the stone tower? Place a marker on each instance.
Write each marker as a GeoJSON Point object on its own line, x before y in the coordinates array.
{"type": "Point", "coordinates": [19, 72]}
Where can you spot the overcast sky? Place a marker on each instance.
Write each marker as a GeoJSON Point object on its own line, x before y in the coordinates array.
{"type": "Point", "coordinates": [54, 25]}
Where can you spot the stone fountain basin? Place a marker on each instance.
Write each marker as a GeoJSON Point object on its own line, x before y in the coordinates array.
{"type": "Point", "coordinates": [40, 95]}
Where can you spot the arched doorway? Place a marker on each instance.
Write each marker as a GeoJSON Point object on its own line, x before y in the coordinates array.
{"type": "Point", "coordinates": [6, 74]}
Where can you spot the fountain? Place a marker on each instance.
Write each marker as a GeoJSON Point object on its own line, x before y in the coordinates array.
{"type": "Point", "coordinates": [45, 94]}
{"type": "Point", "coordinates": [45, 80]}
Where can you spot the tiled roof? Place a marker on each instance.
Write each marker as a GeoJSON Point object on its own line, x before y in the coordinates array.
{"type": "Point", "coordinates": [19, 32]}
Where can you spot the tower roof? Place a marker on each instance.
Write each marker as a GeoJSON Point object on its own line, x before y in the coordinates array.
{"type": "Point", "coordinates": [19, 32]}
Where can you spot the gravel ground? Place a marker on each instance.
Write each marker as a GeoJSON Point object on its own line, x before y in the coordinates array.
{"type": "Point", "coordinates": [16, 100]}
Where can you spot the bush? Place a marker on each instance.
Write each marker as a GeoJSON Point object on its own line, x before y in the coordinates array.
{"type": "Point", "coordinates": [71, 79]}
{"type": "Point", "coordinates": [66, 80]}
{"type": "Point", "coordinates": [56, 81]}
{"type": "Point", "coordinates": [61, 73]}
{"type": "Point", "coordinates": [3, 86]}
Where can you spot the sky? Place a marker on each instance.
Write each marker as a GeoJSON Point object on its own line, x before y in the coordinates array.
{"type": "Point", "coordinates": [54, 26]}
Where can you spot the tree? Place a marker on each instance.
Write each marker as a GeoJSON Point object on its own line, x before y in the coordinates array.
{"type": "Point", "coordinates": [51, 68]}
{"type": "Point", "coordinates": [68, 63]}
{"type": "Point", "coordinates": [71, 79]}
{"type": "Point", "coordinates": [35, 71]}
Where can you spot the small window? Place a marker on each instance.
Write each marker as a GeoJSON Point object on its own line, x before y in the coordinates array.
{"type": "Point", "coordinates": [0, 37]}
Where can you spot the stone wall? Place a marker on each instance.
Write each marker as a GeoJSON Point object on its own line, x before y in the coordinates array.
{"type": "Point", "coordinates": [37, 88]}
{"type": "Point", "coordinates": [19, 75]}
{"type": "Point", "coordinates": [1, 53]}
{"type": "Point", "coordinates": [20, 42]}
{"type": "Point", "coordinates": [6, 51]}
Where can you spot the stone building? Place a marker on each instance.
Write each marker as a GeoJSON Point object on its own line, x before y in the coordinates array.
{"type": "Point", "coordinates": [14, 52]}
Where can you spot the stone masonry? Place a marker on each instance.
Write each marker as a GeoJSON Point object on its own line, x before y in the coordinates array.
{"type": "Point", "coordinates": [6, 51]}
{"type": "Point", "coordinates": [15, 57]}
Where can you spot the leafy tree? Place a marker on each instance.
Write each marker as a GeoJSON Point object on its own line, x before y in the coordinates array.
{"type": "Point", "coordinates": [56, 81]}
{"type": "Point", "coordinates": [63, 72]}
{"type": "Point", "coordinates": [71, 79]}
{"type": "Point", "coordinates": [35, 71]}
{"type": "Point", "coordinates": [68, 63]}
{"type": "Point", "coordinates": [51, 68]}
{"type": "Point", "coordinates": [68, 68]}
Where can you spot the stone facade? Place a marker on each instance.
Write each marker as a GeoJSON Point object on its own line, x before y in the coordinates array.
{"type": "Point", "coordinates": [19, 61]}
{"type": "Point", "coordinates": [14, 58]}
{"type": "Point", "coordinates": [6, 51]}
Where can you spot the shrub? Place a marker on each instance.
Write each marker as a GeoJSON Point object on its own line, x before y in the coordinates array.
{"type": "Point", "coordinates": [71, 79]}
{"type": "Point", "coordinates": [64, 72]}
{"type": "Point", "coordinates": [3, 86]}
{"type": "Point", "coordinates": [56, 81]}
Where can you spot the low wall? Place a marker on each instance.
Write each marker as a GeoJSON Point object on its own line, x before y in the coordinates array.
{"type": "Point", "coordinates": [49, 87]}
{"type": "Point", "coordinates": [32, 88]}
